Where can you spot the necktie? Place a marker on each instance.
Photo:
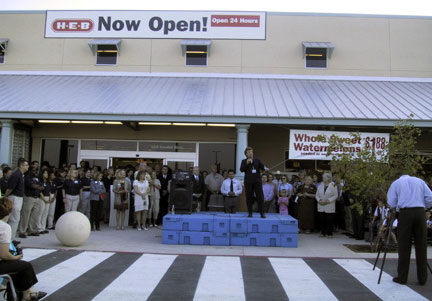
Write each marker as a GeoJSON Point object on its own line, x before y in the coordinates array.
{"type": "Point", "coordinates": [232, 186]}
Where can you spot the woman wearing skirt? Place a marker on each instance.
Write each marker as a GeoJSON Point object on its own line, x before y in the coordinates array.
{"type": "Point", "coordinates": [141, 190]}
{"type": "Point", "coordinates": [307, 201]}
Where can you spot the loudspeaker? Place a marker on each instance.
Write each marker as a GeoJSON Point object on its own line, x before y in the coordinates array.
{"type": "Point", "coordinates": [181, 190]}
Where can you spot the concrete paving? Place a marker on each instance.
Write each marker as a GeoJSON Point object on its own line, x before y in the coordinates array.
{"type": "Point", "coordinates": [131, 240]}
{"type": "Point", "coordinates": [108, 276]}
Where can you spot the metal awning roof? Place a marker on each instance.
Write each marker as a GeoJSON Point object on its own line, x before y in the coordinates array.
{"type": "Point", "coordinates": [94, 43]}
{"type": "Point", "coordinates": [330, 46]}
{"type": "Point", "coordinates": [185, 43]}
{"type": "Point", "coordinates": [213, 99]}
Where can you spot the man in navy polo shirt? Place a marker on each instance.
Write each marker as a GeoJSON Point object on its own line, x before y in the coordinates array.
{"type": "Point", "coordinates": [15, 192]}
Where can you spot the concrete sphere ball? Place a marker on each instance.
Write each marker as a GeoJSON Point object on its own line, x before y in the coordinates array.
{"type": "Point", "coordinates": [72, 229]}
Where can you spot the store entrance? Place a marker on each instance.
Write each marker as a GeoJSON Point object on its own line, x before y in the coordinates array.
{"type": "Point", "coordinates": [132, 163]}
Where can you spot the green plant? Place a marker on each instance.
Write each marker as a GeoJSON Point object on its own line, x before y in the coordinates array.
{"type": "Point", "coordinates": [403, 155]}
{"type": "Point", "coordinates": [368, 173]}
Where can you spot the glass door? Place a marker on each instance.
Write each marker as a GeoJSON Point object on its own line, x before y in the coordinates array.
{"type": "Point", "coordinates": [131, 163]}
{"type": "Point", "coordinates": [91, 162]}
{"type": "Point", "coordinates": [180, 165]}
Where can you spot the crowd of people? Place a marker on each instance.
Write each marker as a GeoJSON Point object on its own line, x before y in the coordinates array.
{"type": "Point", "coordinates": [42, 193]}
{"type": "Point", "coordinates": [33, 197]}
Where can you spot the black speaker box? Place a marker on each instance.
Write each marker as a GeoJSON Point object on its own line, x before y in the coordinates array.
{"type": "Point", "coordinates": [181, 190]}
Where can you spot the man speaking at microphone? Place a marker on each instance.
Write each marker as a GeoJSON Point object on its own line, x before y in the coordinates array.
{"type": "Point", "coordinates": [410, 195]}
{"type": "Point", "coordinates": [253, 186]}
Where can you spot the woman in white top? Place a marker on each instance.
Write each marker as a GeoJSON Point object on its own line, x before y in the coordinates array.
{"type": "Point", "coordinates": [326, 196]}
{"type": "Point", "coordinates": [21, 271]}
{"type": "Point", "coordinates": [141, 190]}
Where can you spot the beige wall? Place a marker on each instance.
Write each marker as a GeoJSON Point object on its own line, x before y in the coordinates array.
{"type": "Point", "coordinates": [365, 46]}
{"type": "Point", "coordinates": [269, 143]}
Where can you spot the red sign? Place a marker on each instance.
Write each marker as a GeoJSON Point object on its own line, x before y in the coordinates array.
{"type": "Point", "coordinates": [72, 25]}
{"type": "Point", "coordinates": [235, 21]}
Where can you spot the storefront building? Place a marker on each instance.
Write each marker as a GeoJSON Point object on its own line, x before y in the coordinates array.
{"type": "Point", "coordinates": [184, 94]}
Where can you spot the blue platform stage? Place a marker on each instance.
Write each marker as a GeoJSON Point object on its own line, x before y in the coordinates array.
{"type": "Point", "coordinates": [222, 229]}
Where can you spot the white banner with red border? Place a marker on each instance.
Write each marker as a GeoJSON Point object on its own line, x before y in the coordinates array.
{"type": "Point", "coordinates": [156, 24]}
{"type": "Point", "coordinates": [305, 144]}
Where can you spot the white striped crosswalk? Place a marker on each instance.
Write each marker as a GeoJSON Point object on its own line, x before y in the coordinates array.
{"type": "Point", "coordinates": [139, 280]}
{"type": "Point", "coordinates": [63, 273]}
{"type": "Point", "coordinates": [387, 290]}
{"type": "Point", "coordinates": [220, 277]}
{"type": "Point", "coordinates": [32, 254]}
{"type": "Point", "coordinates": [299, 281]}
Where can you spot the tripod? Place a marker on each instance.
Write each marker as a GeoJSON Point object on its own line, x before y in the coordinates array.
{"type": "Point", "coordinates": [384, 245]}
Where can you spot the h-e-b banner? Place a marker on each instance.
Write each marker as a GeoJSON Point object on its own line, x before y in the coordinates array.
{"type": "Point", "coordinates": [156, 24]}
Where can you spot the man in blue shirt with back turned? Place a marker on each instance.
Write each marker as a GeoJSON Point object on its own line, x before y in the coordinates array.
{"type": "Point", "coordinates": [410, 196]}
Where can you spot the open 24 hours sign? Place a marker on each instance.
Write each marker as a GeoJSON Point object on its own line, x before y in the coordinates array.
{"type": "Point", "coordinates": [156, 25]}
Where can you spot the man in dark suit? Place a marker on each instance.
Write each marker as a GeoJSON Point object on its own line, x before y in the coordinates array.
{"type": "Point", "coordinates": [164, 178]}
{"type": "Point", "coordinates": [252, 181]}
{"type": "Point", "coordinates": [198, 188]}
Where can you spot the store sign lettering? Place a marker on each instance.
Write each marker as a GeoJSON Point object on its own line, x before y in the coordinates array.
{"type": "Point", "coordinates": [156, 24]}
{"type": "Point", "coordinates": [118, 25]}
{"type": "Point", "coordinates": [72, 25]}
{"type": "Point", "coordinates": [235, 21]}
{"type": "Point", "coordinates": [314, 145]}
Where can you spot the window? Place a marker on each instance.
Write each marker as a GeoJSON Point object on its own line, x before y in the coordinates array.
{"type": "Point", "coordinates": [106, 55]}
{"type": "Point", "coordinates": [316, 57]}
{"type": "Point", "coordinates": [2, 56]}
{"type": "Point", "coordinates": [196, 55]}
{"type": "Point", "coordinates": [196, 52]}
{"type": "Point", "coordinates": [316, 54]}
{"type": "Point", "coordinates": [106, 51]}
{"type": "Point", "coordinates": [109, 145]}
{"type": "Point", "coordinates": [3, 50]}
{"type": "Point", "coordinates": [181, 147]}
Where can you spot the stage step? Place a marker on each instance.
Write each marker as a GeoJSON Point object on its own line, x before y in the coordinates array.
{"type": "Point", "coordinates": [215, 228]}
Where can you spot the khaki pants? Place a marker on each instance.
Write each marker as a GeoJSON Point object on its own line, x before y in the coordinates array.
{"type": "Point", "coordinates": [30, 215]}
{"type": "Point", "coordinates": [71, 202]}
{"type": "Point", "coordinates": [154, 209]}
{"type": "Point", "coordinates": [15, 215]}
{"type": "Point", "coordinates": [44, 216]}
{"type": "Point", "coordinates": [51, 211]}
